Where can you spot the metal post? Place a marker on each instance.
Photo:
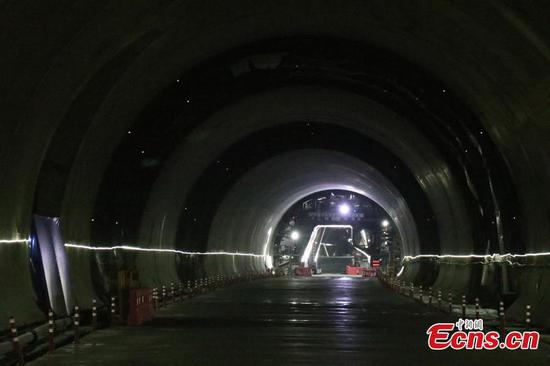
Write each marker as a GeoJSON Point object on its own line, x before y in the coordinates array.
{"type": "Point", "coordinates": [421, 295]}
{"type": "Point", "coordinates": [17, 350]}
{"type": "Point", "coordinates": [439, 298]}
{"type": "Point", "coordinates": [463, 306]}
{"type": "Point", "coordinates": [430, 296]}
{"type": "Point", "coordinates": [113, 309]}
{"type": "Point", "coordinates": [94, 314]}
{"type": "Point", "coordinates": [76, 325]}
{"type": "Point", "coordinates": [501, 315]}
{"type": "Point", "coordinates": [528, 316]}
{"type": "Point", "coordinates": [163, 299]}
{"type": "Point", "coordinates": [51, 331]}
{"type": "Point", "coordinates": [477, 308]}
{"type": "Point", "coordinates": [450, 301]}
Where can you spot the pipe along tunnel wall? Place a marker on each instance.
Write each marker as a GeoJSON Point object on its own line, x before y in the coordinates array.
{"type": "Point", "coordinates": [153, 124]}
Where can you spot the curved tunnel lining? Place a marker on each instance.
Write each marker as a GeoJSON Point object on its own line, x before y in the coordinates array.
{"type": "Point", "coordinates": [256, 204]}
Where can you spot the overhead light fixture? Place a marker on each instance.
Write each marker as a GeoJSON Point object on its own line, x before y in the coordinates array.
{"type": "Point", "coordinates": [344, 209]}
{"type": "Point", "coordinates": [385, 223]}
{"type": "Point", "coordinates": [294, 235]}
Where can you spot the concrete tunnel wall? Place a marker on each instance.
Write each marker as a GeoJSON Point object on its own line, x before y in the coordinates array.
{"type": "Point", "coordinates": [79, 83]}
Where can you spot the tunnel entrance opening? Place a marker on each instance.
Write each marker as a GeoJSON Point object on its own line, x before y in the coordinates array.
{"type": "Point", "coordinates": [331, 230]}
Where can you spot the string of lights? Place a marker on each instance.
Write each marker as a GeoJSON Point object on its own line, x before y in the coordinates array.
{"type": "Point", "coordinates": [140, 249]}
{"type": "Point", "coordinates": [14, 241]}
{"type": "Point", "coordinates": [485, 258]}
{"type": "Point", "coordinates": [445, 258]}
{"type": "Point", "coordinates": [160, 250]}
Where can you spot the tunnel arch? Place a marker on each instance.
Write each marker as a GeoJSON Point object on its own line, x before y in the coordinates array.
{"type": "Point", "coordinates": [281, 182]}
{"type": "Point", "coordinates": [298, 136]}
{"type": "Point", "coordinates": [445, 176]}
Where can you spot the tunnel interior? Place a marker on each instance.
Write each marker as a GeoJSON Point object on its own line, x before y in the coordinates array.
{"type": "Point", "coordinates": [200, 114]}
{"type": "Point", "coordinates": [168, 150]}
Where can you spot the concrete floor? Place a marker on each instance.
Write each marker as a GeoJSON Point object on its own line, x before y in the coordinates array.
{"type": "Point", "coordinates": [285, 321]}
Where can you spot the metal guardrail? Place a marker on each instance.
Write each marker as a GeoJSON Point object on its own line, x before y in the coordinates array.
{"type": "Point", "coordinates": [32, 342]}
{"type": "Point", "coordinates": [491, 317]}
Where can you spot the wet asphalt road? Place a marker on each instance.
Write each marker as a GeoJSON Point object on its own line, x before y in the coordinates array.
{"type": "Point", "coordinates": [285, 321]}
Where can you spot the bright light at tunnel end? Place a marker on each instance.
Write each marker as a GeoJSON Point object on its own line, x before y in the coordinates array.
{"type": "Point", "coordinates": [295, 235]}
{"type": "Point", "coordinates": [344, 209]}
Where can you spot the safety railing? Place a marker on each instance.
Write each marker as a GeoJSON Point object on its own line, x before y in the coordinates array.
{"type": "Point", "coordinates": [459, 304]}
{"type": "Point", "coordinates": [17, 346]}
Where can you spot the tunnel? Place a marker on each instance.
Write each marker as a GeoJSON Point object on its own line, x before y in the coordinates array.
{"type": "Point", "coordinates": [147, 144]}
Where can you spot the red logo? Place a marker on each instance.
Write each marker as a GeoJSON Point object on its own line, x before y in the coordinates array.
{"type": "Point", "coordinates": [470, 335]}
